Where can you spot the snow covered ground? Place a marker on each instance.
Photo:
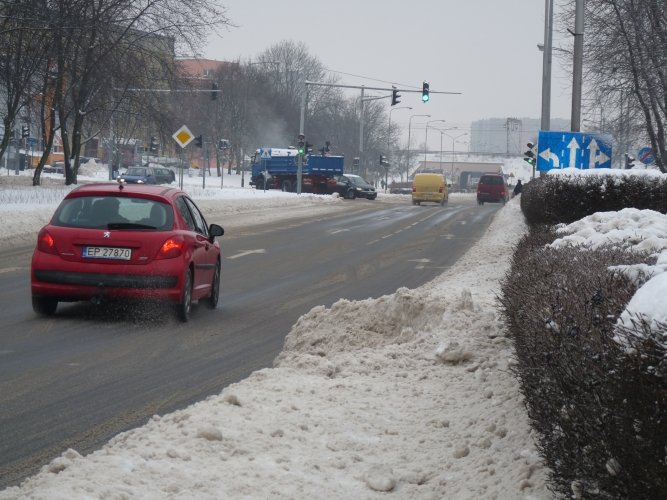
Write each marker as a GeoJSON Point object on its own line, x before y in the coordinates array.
{"type": "Point", "coordinates": [415, 401]}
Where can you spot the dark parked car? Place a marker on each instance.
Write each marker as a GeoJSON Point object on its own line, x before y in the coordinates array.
{"type": "Point", "coordinates": [400, 188]}
{"type": "Point", "coordinates": [352, 186]}
{"type": "Point", "coordinates": [126, 241]}
{"type": "Point", "coordinates": [148, 175]}
{"type": "Point", "coordinates": [58, 167]}
{"type": "Point", "coordinates": [492, 188]}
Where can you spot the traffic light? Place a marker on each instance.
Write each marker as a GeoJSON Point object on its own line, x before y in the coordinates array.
{"type": "Point", "coordinates": [529, 155]}
{"type": "Point", "coordinates": [223, 144]}
{"type": "Point", "coordinates": [214, 91]}
{"type": "Point", "coordinates": [383, 159]}
{"type": "Point", "coordinates": [154, 145]}
{"type": "Point", "coordinates": [25, 131]}
{"type": "Point", "coordinates": [425, 96]}
{"type": "Point", "coordinates": [301, 145]}
{"type": "Point", "coordinates": [395, 97]}
{"type": "Point", "coordinates": [629, 161]}
{"type": "Point", "coordinates": [199, 141]}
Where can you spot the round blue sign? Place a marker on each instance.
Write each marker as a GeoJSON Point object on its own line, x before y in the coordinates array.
{"type": "Point", "coordinates": [645, 156]}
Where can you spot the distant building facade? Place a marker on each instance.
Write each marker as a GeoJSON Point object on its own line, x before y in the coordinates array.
{"type": "Point", "coordinates": [205, 69]}
{"type": "Point", "coordinates": [508, 136]}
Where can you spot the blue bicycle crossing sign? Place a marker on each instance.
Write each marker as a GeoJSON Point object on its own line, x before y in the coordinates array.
{"type": "Point", "coordinates": [573, 150]}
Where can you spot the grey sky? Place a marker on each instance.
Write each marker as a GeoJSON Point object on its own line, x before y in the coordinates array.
{"type": "Point", "coordinates": [486, 49]}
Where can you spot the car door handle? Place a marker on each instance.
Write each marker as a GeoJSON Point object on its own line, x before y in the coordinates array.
{"type": "Point", "coordinates": [203, 242]}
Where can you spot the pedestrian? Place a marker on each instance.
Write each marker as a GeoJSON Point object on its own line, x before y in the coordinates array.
{"type": "Point", "coordinates": [517, 188]}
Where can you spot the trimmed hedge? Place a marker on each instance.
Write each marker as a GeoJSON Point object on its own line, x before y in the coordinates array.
{"type": "Point", "coordinates": [557, 199]}
{"type": "Point", "coordinates": [599, 405]}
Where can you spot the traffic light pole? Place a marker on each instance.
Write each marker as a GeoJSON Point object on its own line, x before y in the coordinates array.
{"type": "Point", "coordinates": [388, 89]}
{"type": "Point", "coordinates": [299, 160]}
{"type": "Point", "coordinates": [361, 135]}
{"type": "Point", "coordinates": [393, 92]}
{"type": "Point", "coordinates": [203, 174]}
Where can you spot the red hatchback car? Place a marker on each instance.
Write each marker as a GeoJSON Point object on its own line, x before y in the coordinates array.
{"type": "Point", "coordinates": [126, 241]}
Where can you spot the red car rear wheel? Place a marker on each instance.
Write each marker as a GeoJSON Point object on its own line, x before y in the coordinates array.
{"type": "Point", "coordinates": [184, 308]}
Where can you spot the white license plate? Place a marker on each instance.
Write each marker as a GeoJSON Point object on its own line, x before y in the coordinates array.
{"type": "Point", "coordinates": [107, 253]}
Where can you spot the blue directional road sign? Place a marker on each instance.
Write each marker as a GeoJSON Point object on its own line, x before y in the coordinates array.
{"type": "Point", "coordinates": [573, 150]}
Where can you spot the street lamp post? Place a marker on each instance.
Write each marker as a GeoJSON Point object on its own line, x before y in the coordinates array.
{"type": "Point", "coordinates": [441, 134]}
{"type": "Point", "coordinates": [407, 167]}
{"type": "Point", "coordinates": [389, 137]}
{"type": "Point", "coordinates": [426, 137]}
{"type": "Point", "coordinates": [389, 126]}
{"type": "Point", "coordinates": [545, 119]}
{"type": "Point", "coordinates": [454, 139]}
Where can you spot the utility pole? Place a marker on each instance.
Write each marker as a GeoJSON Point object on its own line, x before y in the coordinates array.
{"type": "Point", "coordinates": [545, 122]}
{"type": "Point", "coordinates": [511, 125]}
{"type": "Point", "coordinates": [577, 69]}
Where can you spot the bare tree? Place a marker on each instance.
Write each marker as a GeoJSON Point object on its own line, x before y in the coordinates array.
{"type": "Point", "coordinates": [288, 65]}
{"type": "Point", "coordinates": [23, 43]}
{"type": "Point", "coordinates": [626, 69]}
{"type": "Point", "coordinates": [90, 47]}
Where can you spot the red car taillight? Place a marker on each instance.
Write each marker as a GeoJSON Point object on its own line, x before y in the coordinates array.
{"type": "Point", "coordinates": [414, 189]}
{"type": "Point", "coordinates": [46, 243]}
{"type": "Point", "coordinates": [171, 248]}
{"type": "Point", "coordinates": [441, 190]}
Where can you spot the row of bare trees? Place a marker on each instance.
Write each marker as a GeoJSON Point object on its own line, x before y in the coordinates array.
{"type": "Point", "coordinates": [77, 63]}
{"type": "Point", "coordinates": [260, 104]}
{"type": "Point", "coordinates": [625, 56]}
{"type": "Point", "coordinates": [107, 70]}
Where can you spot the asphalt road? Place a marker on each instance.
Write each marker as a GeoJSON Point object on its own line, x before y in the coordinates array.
{"type": "Point", "coordinates": [90, 372]}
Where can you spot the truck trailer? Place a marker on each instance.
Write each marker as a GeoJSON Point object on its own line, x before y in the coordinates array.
{"type": "Point", "coordinates": [276, 168]}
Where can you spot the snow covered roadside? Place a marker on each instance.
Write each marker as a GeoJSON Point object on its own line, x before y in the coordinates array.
{"type": "Point", "coordinates": [405, 396]}
{"type": "Point", "coordinates": [24, 210]}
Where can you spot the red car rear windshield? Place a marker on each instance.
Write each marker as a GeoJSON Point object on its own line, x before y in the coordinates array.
{"type": "Point", "coordinates": [103, 211]}
{"type": "Point", "coordinates": [494, 180]}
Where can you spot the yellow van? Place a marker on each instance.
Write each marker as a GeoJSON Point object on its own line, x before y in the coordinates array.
{"type": "Point", "coordinates": [429, 187]}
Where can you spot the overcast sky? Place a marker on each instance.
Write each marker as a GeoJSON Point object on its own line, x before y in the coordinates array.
{"type": "Point", "coordinates": [485, 49]}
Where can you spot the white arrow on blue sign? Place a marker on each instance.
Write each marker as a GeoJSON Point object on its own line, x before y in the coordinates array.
{"type": "Point", "coordinates": [572, 150]}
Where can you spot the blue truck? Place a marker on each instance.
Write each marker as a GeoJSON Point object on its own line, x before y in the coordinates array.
{"type": "Point", "coordinates": [276, 168]}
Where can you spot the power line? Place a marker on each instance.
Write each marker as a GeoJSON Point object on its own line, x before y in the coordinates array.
{"type": "Point", "coordinates": [372, 79]}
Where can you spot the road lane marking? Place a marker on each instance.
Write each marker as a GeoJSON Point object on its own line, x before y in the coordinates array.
{"type": "Point", "coordinates": [243, 253]}
{"type": "Point", "coordinates": [11, 269]}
